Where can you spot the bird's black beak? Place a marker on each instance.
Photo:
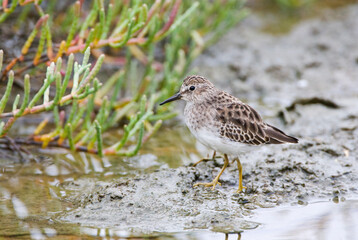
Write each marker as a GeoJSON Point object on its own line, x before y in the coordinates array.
{"type": "Point", "coordinates": [176, 96]}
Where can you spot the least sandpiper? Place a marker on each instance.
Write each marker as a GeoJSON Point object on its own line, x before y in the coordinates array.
{"type": "Point", "coordinates": [224, 123]}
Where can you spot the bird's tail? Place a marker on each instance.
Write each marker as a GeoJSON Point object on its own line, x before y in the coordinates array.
{"type": "Point", "coordinates": [277, 136]}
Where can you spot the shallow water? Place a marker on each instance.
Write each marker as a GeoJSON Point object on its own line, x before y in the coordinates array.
{"type": "Point", "coordinates": [29, 204]}
{"type": "Point", "coordinates": [33, 195]}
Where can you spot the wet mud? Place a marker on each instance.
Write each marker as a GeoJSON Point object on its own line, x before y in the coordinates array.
{"type": "Point", "coordinates": [304, 82]}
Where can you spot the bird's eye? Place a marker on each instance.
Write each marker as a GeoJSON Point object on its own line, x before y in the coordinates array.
{"type": "Point", "coordinates": [192, 88]}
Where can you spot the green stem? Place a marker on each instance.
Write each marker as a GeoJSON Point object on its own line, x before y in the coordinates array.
{"type": "Point", "coordinates": [6, 95]}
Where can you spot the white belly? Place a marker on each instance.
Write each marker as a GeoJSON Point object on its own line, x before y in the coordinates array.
{"type": "Point", "coordinates": [207, 134]}
{"type": "Point", "coordinates": [219, 144]}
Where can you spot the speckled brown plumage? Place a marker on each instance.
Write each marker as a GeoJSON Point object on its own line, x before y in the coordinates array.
{"type": "Point", "coordinates": [226, 114]}
{"type": "Point", "coordinates": [222, 122]}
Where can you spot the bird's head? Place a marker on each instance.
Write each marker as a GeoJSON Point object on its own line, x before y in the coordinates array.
{"type": "Point", "coordinates": [194, 89]}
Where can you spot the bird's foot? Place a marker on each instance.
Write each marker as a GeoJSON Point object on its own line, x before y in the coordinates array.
{"type": "Point", "coordinates": [240, 189]}
{"type": "Point", "coordinates": [210, 184]}
{"type": "Point", "coordinates": [201, 160]}
{"type": "Point", "coordinates": [205, 159]}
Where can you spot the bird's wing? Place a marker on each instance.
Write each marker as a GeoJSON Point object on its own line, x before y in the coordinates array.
{"type": "Point", "coordinates": [241, 123]}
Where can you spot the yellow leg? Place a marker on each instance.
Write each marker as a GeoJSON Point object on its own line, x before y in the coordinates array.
{"type": "Point", "coordinates": [216, 179]}
{"type": "Point", "coordinates": [239, 166]}
{"type": "Point", "coordinates": [205, 159]}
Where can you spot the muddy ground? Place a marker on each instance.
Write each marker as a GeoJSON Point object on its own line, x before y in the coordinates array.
{"type": "Point", "coordinates": [305, 82]}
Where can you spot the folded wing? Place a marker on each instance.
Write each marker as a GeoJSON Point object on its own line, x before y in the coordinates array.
{"type": "Point", "coordinates": [241, 123]}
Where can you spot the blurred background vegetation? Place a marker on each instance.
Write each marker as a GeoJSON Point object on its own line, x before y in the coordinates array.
{"type": "Point", "coordinates": [98, 65]}
{"type": "Point", "coordinates": [87, 67]}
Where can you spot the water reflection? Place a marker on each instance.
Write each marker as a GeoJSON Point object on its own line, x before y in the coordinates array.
{"type": "Point", "coordinates": [36, 234]}
{"type": "Point", "coordinates": [31, 193]}
{"type": "Point", "coordinates": [104, 233]}
{"type": "Point", "coordinates": [52, 170]}
{"type": "Point", "coordinates": [320, 220]}
{"type": "Point", "coordinates": [31, 196]}
{"type": "Point", "coordinates": [19, 208]}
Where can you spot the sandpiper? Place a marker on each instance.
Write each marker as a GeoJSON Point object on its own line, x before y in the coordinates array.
{"type": "Point", "coordinates": [224, 123]}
